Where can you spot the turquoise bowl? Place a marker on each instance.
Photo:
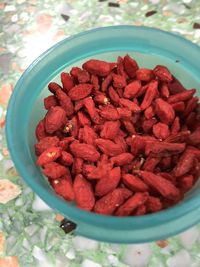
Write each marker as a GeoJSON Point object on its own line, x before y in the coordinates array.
{"type": "Point", "coordinates": [149, 47]}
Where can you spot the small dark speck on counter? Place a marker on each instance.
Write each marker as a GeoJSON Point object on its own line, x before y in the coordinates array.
{"type": "Point", "coordinates": [113, 4]}
{"type": "Point", "coordinates": [65, 17]}
{"type": "Point", "coordinates": [177, 61]}
{"type": "Point", "coordinates": [67, 226]}
{"type": "Point", "coordinates": [187, 6]}
{"type": "Point", "coordinates": [196, 25]}
{"type": "Point", "coordinates": [150, 13]}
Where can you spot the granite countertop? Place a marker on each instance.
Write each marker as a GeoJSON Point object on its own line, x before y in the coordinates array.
{"type": "Point", "coordinates": [30, 235]}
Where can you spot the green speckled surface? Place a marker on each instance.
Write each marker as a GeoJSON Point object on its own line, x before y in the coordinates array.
{"type": "Point", "coordinates": [27, 28]}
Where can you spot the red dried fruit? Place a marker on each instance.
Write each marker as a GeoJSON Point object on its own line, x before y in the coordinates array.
{"type": "Point", "coordinates": [129, 126]}
{"type": "Point", "coordinates": [83, 193]}
{"type": "Point", "coordinates": [95, 82]}
{"type": "Point", "coordinates": [54, 119]}
{"type": "Point", "coordinates": [178, 106]}
{"type": "Point", "coordinates": [124, 113]}
{"type": "Point", "coordinates": [67, 81]}
{"type": "Point", "coordinates": [130, 105]}
{"type": "Point", "coordinates": [45, 143]}
{"type": "Point", "coordinates": [65, 102]}
{"type": "Point", "coordinates": [149, 113]}
{"type": "Point", "coordinates": [162, 73]}
{"type": "Point", "coordinates": [145, 75]}
{"type": "Point", "coordinates": [148, 124]}
{"type": "Point", "coordinates": [53, 87]}
{"type": "Point", "coordinates": [182, 96]}
{"type": "Point", "coordinates": [150, 163]}
{"type": "Point", "coordinates": [165, 163]}
{"type": "Point", "coordinates": [64, 188]}
{"type": "Point", "coordinates": [64, 143]}
{"type": "Point", "coordinates": [101, 99]}
{"type": "Point", "coordinates": [120, 141]}
{"type": "Point", "coordinates": [164, 111]}
{"type": "Point", "coordinates": [120, 67]}
{"type": "Point", "coordinates": [122, 159]}
{"type": "Point", "coordinates": [153, 204]}
{"type": "Point", "coordinates": [91, 109]}
{"type": "Point", "coordinates": [132, 204]}
{"type": "Point", "coordinates": [110, 129]}
{"type": "Point", "coordinates": [97, 67]}
{"type": "Point", "coordinates": [49, 155]}
{"type": "Point", "coordinates": [161, 130]}
{"type": "Point", "coordinates": [50, 101]}
{"type": "Point", "coordinates": [160, 184]}
{"type": "Point", "coordinates": [185, 163]}
{"type": "Point", "coordinates": [84, 151]}
{"type": "Point", "coordinates": [66, 158]}
{"type": "Point", "coordinates": [80, 91]}
{"type": "Point", "coordinates": [194, 138]}
{"type": "Point", "coordinates": [150, 94]}
{"type": "Point", "coordinates": [164, 91]}
{"type": "Point", "coordinates": [109, 112]}
{"type": "Point", "coordinates": [54, 170]}
{"type": "Point", "coordinates": [108, 203]}
{"type": "Point", "coordinates": [176, 87]}
{"type": "Point", "coordinates": [77, 167]}
{"type": "Point", "coordinates": [175, 128]}
{"type": "Point", "coordinates": [186, 183]}
{"type": "Point", "coordinates": [191, 105]}
{"type": "Point", "coordinates": [132, 89]}
{"type": "Point", "coordinates": [108, 147]}
{"type": "Point", "coordinates": [119, 81]}
{"type": "Point", "coordinates": [89, 135]}
{"type": "Point", "coordinates": [134, 183]}
{"type": "Point", "coordinates": [83, 119]}
{"type": "Point", "coordinates": [163, 149]}
{"type": "Point", "coordinates": [40, 131]}
{"type": "Point", "coordinates": [83, 76]}
{"type": "Point", "coordinates": [139, 129]}
{"type": "Point", "coordinates": [130, 66]}
{"type": "Point", "coordinates": [108, 183]}
{"type": "Point", "coordinates": [114, 97]}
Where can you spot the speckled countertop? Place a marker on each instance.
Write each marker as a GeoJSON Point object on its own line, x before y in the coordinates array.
{"type": "Point", "coordinates": [29, 231]}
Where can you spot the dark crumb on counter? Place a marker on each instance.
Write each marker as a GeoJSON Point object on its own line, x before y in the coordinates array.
{"type": "Point", "coordinates": [187, 6]}
{"type": "Point", "coordinates": [65, 17]}
{"type": "Point", "coordinates": [150, 13]}
{"type": "Point", "coordinates": [113, 4]}
{"type": "Point", "coordinates": [196, 25]}
{"type": "Point", "coordinates": [67, 226]}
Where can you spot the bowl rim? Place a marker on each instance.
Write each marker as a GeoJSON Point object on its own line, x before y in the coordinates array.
{"type": "Point", "coordinates": [65, 208]}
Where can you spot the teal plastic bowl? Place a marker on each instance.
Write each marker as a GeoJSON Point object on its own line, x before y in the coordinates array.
{"type": "Point", "coordinates": [149, 47]}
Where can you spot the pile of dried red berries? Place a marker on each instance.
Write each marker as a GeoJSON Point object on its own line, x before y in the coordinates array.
{"type": "Point", "coordinates": [118, 139]}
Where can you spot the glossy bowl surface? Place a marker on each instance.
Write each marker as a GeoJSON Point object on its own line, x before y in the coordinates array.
{"type": "Point", "coordinates": [149, 47]}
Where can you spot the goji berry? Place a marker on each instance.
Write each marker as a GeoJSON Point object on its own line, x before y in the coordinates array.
{"type": "Point", "coordinates": [162, 73]}
{"type": "Point", "coordinates": [84, 151]}
{"type": "Point", "coordinates": [134, 183]}
{"type": "Point", "coordinates": [97, 67]}
{"type": "Point", "coordinates": [83, 193]}
{"type": "Point", "coordinates": [54, 170]}
{"type": "Point", "coordinates": [54, 119]}
{"type": "Point", "coordinates": [49, 155]}
{"type": "Point", "coordinates": [67, 81]}
{"type": "Point", "coordinates": [40, 131]}
{"type": "Point", "coordinates": [108, 183]}
{"type": "Point", "coordinates": [132, 204]}
{"type": "Point", "coordinates": [132, 89]}
{"type": "Point", "coordinates": [80, 91]}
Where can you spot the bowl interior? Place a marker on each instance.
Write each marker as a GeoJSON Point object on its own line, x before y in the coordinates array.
{"type": "Point", "coordinates": [149, 47]}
